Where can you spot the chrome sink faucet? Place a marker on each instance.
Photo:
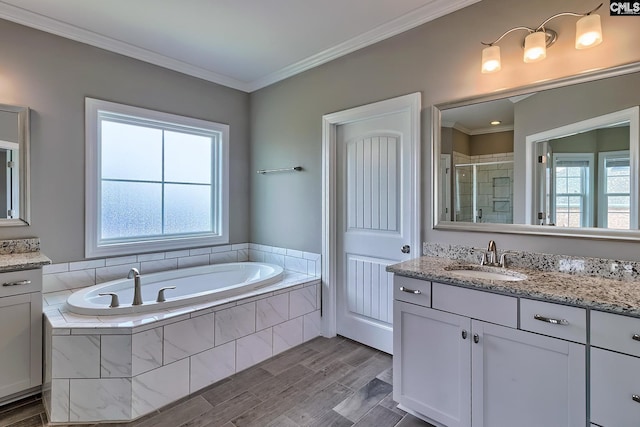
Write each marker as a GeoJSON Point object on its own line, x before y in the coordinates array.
{"type": "Point", "coordinates": [137, 294]}
{"type": "Point", "coordinates": [493, 252]}
{"type": "Point", "coordinates": [493, 256]}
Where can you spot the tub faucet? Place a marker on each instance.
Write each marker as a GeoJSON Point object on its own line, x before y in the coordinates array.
{"type": "Point", "coordinates": [137, 294]}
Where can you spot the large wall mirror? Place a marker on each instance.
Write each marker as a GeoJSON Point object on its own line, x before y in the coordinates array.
{"type": "Point", "coordinates": [14, 165]}
{"type": "Point", "coordinates": [561, 158]}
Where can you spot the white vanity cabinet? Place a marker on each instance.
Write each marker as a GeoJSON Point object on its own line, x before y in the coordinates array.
{"type": "Point", "coordinates": [20, 332]}
{"type": "Point", "coordinates": [615, 370]}
{"type": "Point", "coordinates": [462, 362]}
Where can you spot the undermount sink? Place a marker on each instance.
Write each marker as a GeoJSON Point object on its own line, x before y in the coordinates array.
{"type": "Point", "coordinates": [486, 272]}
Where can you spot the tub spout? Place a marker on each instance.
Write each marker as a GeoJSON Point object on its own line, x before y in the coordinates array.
{"type": "Point", "coordinates": [137, 294]}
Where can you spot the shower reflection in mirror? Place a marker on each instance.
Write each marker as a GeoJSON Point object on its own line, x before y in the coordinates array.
{"type": "Point", "coordinates": [482, 174]}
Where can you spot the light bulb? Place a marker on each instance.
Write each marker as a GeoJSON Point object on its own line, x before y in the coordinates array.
{"type": "Point", "coordinates": [588, 32]}
{"type": "Point", "coordinates": [491, 59]}
{"type": "Point", "coordinates": [535, 47]}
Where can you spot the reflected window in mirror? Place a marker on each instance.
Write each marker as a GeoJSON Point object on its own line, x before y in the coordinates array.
{"type": "Point", "coordinates": [574, 153]}
{"type": "Point", "coordinates": [585, 173]}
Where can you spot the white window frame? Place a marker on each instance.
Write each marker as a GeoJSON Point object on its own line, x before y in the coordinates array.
{"type": "Point", "coordinates": [602, 192]}
{"type": "Point", "coordinates": [588, 197]}
{"type": "Point", "coordinates": [94, 246]}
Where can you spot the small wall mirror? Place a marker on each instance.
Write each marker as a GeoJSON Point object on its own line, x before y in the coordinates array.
{"type": "Point", "coordinates": [14, 165]}
{"type": "Point", "coordinates": [558, 158]}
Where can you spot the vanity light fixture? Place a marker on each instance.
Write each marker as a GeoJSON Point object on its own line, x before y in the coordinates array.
{"type": "Point", "coordinates": [588, 34]}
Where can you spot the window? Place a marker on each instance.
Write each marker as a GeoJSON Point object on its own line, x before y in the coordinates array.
{"type": "Point", "coordinates": [573, 192]}
{"type": "Point", "coordinates": [155, 181]}
{"type": "Point", "coordinates": [615, 190]}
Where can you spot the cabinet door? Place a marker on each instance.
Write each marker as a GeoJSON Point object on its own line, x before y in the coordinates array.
{"type": "Point", "coordinates": [431, 363]}
{"type": "Point", "coordinates": [615, 380]}
{"type": "Point", "coordinates": [20, 343]}
{"type": "Point", "coordinates": [526, 380]}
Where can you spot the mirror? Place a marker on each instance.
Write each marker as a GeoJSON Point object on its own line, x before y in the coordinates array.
{"type": "Point", "coordinates": [558, 158]}
{"type": "Point", "coordinates": [14, 156]}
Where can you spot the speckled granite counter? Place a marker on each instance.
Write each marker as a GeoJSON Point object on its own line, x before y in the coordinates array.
{"type": "Point", "coordinates": [21, 254]}
{"type": "Point", "coordinates": [617, 296]}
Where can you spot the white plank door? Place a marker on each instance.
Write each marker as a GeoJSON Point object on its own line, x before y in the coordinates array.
{"type": "Point", "coordinates": [375, 221]}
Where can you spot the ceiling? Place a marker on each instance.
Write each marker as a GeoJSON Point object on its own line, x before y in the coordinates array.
{"type": "Point", "coordinates": [243, 44]}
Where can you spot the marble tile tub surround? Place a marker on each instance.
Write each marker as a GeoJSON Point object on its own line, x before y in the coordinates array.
{"type": "Point", "coordinates": [21, 254]}
{"type": "Point", "coordinates": [579, 266]}
{"type": "Point", "coordinates": [119, 374]}
{"type": "Point", "coordinates": [61, 279]}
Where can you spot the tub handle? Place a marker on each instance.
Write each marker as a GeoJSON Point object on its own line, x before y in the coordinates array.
{"type": "Point", "coordinates": [114, 299]}
{"type": "Point", "coordinates": [161, 293]}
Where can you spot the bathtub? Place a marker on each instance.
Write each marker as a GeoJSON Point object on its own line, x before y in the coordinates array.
{"type": "Point", "coordinates": [195, 285]}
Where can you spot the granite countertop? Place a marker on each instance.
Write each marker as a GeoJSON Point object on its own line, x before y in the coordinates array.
{"type": "Point", "coordinates": [22, 261]}
{"type": "Point", "coordinates": [616, 296]}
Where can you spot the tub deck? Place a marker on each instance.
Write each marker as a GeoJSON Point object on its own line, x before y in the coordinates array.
{"type": "Point", "coordinates": [120, 368]}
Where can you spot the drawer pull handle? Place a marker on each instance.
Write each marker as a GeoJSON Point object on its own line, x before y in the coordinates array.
{"type": "Point", "coordinates": [636, 398]}
{"type": "Point", "coordinates": [636, 337]}
{"type": "Point", "coordinates": [18, 283]}
{"type": "Point", "coordinates": [551, 320]}
{"type": "Point", "coordinates": [410, 291]}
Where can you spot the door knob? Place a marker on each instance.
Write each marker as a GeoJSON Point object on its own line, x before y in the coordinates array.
{"type": "Point", "coordinates": [406, 249]}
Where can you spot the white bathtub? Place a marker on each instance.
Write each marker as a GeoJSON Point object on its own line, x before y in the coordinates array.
{"type": "Point", "coordinates": [194, 285]}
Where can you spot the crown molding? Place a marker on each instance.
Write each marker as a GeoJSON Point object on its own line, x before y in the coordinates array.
{"type": "Point", "coordinates": [53, 26]}
{"type": "Point", "coordinates": [426, 13]}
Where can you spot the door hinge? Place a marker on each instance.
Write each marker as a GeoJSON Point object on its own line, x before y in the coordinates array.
{"type": "Point", "coordinates": [11, 213]}
{"type": "Point", "coordinates": [11, 164]}
{"type": "Point", "coordinates": [542, 159]}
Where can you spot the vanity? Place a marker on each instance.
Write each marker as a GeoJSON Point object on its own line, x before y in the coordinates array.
{"type": "Point", "coordinates": [21, 265]}
{"type": "Point", "coordinates": [553, 349]}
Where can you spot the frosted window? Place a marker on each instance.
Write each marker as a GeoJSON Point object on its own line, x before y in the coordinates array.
{"type": "Point", "coordinates": [155, 181]}
{"type": "Point", "coordinates": [188, 208]}
{"type": "Point", "coordinates": [187, 158]}
{"type": "Point", "coordinates": [131, 152]}
{"type": "Point", "coordinates": [131, 209]}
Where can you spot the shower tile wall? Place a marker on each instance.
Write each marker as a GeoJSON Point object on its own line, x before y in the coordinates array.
{"type": "Point", "coordinates": [494, 188]}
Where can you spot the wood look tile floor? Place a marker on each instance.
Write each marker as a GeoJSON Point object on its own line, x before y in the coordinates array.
{"type": "Point", "coordinates": [324, 382]}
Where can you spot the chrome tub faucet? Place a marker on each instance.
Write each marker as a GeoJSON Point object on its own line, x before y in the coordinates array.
{"type": "Point", "coordinates": [137, 294]}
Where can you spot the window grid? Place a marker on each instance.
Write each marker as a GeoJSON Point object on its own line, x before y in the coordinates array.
{"type": "Point", "coordinates": [190, 154]}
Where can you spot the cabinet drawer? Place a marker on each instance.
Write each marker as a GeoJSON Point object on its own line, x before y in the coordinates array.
{"type": "Point", "coordinates": [615, 332]}
{"type": "Point", "coordinates": [494, 308]}
{"type": "Point", "coordinates": [555, 320]}
{"type": "Point", "coordinates": [20, 282]}
{"type": "Point", "coordinates": [615, 380]}
{"type": "Point", "coordinates": [411, 290]}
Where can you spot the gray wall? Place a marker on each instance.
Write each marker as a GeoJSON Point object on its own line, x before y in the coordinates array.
{"type": "Point", "coordinates": [440, 59]}
{"type": "Point", "coordinates": [52, 76]}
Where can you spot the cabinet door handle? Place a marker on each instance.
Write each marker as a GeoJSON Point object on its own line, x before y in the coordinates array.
{"type": "Point", "coordinates": [636, 398]}
{"type": "Point", "coordinates": [476, 338]}
{"type": "Point", "coordinates": [464, 334]}
{"type": "Point", "coordinates": [410, 291]}
{"type": "Point", "coordinates": [551, 320]}
{"type": "Point", "coordinates": [18, 283]}
{"type": "Point", "coordinates": [636, 337]}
